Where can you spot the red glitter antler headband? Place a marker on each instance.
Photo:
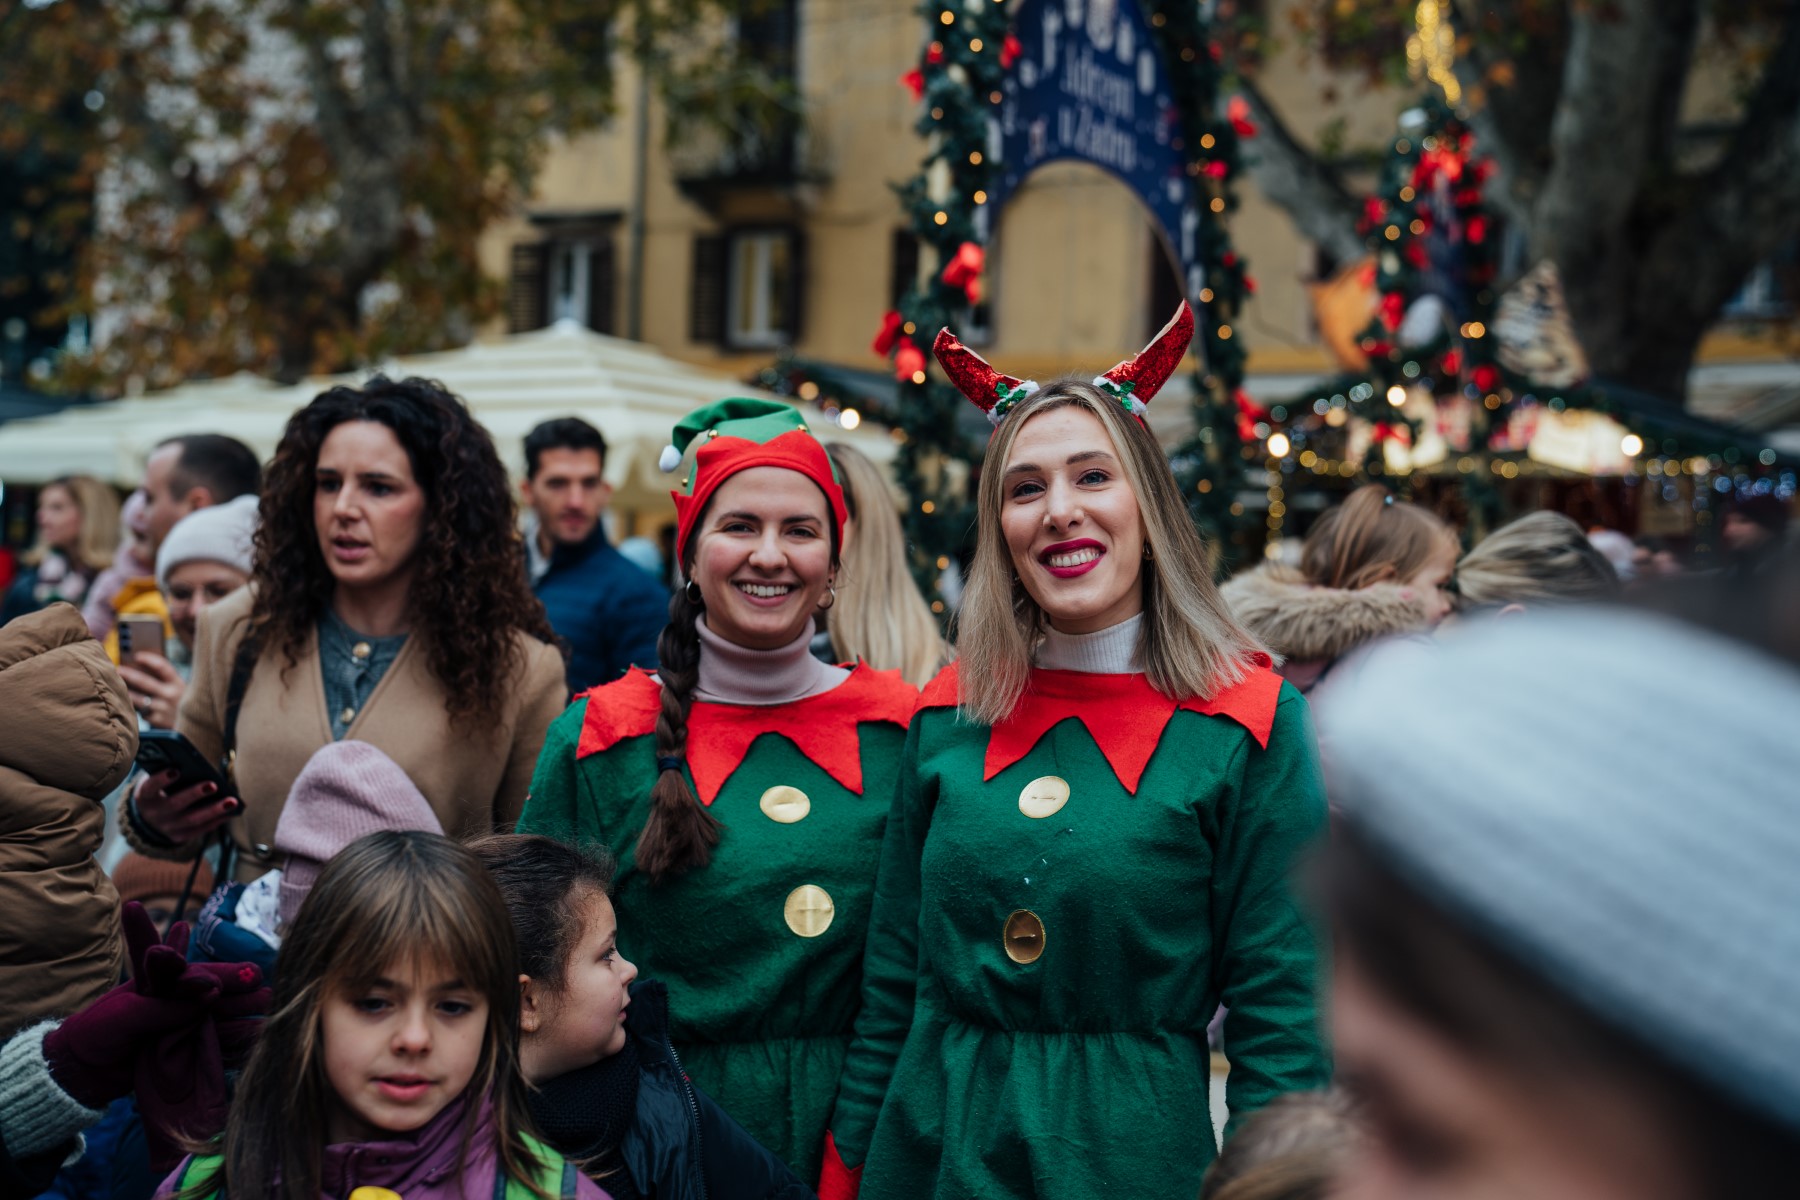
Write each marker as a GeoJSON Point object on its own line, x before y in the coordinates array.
{"type": "Point", "coordinates": [1132, 383]}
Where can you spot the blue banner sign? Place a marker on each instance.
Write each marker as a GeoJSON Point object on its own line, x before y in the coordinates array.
{"type": "Point", "coordinates": [1090, 86]}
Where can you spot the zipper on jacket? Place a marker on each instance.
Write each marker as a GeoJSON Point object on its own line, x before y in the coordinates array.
{"type": "Point", "coordinates": [687, 1089]}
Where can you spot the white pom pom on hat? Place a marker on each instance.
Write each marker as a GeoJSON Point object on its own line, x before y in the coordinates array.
{"type": "Point", "coordinates": [669, 459]}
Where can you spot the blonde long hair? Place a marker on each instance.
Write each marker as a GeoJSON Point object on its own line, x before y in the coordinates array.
{"type": "Point", "coordinates": [99, 506]}
{"type": "Point", "coordinates": [1190, 645]}
{"type": "Point", "coordinates": [1536, 559]}
{"type": "Point", "coordinates": [879, 615]}
{"type": "Point", "coordinates": [1372, 538]}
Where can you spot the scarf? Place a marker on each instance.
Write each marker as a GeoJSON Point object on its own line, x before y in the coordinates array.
{"type": "Point", "coordinates": [586, 1112]}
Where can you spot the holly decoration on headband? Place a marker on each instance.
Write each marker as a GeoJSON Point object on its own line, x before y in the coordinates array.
{"type": "Point", "coordinates": [1132, 383]}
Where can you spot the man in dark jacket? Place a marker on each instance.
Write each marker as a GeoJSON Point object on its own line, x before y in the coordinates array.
{"type": "Point", "coordinates": [606, 608]}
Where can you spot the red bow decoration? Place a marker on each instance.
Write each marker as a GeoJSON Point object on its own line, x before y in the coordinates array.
{"type": "Point", "coordinates": [909, 362]}
{"type": "Point", "coordinates": [934, 53]}
{"type": "Point", "coordinates": [1249, 412]}
{"type": "Point", "coordinates": [1374, 212]}
{"type": "Point", "coordinates": [1476, 229]}
{"type": "Point", "coordinates": [1238, 110]}
{"type": "Point", "coordinates": [1388, 432]}
{"type": "Point", "coordinates": [884, 342]}
{"type": "Point", "coordinates": [1452, 365]}
{"type": "Point", "coordinates": [1393, 308]}
{"type": "Point", "coordinates": [964, 270]}
{"type": "Point", "coordinates": [1215, 169]}
{"type": "Point", "coordinates": [1010, 51]}
{"type": "Point", "coordinates": [1485, 377]}
{"type": "Point", "coordinates": [914, 82]}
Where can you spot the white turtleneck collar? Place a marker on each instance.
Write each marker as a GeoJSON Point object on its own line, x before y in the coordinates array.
{"type": "Point", "coordinates": [1110, 651]}
{"type": "Point", "coordinates": [734, 674]}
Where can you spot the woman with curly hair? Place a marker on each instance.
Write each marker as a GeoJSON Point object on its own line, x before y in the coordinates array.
{"type": "Point", "coordinates": [387, 604]}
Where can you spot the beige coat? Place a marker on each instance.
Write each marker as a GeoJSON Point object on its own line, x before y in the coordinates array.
{"type": "Point", "coordinates": [475, 782]}
{"type": "Point", "coordinates": [67, 737]}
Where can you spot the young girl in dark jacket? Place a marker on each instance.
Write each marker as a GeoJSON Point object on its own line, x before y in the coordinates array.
{"type": "Point", "coordinates": [606, 1087]}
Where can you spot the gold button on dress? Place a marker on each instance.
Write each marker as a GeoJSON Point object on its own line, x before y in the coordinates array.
{"type": "Point", "coordinates": [809, 910]}
{"type": "Point", "coordinates": [1024, 937]}
{"type": "Point", "coordinates": [347, 716]}
{"type": "Point", "coordinates": [785, 804]}
{"type": "Point", "coordinates": [1044, 796]}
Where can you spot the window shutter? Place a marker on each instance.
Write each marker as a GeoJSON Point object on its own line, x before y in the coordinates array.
{"type": "Point", "coordinates": [706, 296]}
{"type": "Point", "coordinates": [525, 288]}
{"type": "Point", "coordinates": [906, 266]}
{"type": "Point", "coordinates": [796, 298]}
{"type": "Point", "coordinates": [601, 289]}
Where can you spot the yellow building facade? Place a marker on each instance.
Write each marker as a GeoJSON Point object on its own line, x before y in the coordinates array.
{"type": "Point", "coordinates": [727, 257]}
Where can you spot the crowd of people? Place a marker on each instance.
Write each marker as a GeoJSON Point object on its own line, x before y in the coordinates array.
{"type": "Point", "coordinates": [359, 841]}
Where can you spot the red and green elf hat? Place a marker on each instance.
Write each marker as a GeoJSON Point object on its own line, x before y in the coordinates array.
{"type": "Point", "coordinates": [735, 435]}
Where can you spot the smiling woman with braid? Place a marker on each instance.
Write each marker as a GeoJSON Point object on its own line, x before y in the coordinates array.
{"type": "Point", "coordinates": [745, 786]}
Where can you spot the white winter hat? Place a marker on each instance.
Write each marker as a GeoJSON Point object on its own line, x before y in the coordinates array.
{"type": "Point", "coordinates": [1637, 845]}
{"type": "Point", "coordinates": [220, 533]}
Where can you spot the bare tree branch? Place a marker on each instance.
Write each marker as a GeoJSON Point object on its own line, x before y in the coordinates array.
{"type": "Point", "coordinates": [1513, 76]}
{"type": "Point", "coordinates": [1295, 178]}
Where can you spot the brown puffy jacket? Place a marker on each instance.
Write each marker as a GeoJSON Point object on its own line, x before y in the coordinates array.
{"type": "Point", "coordinates": [67, 737]}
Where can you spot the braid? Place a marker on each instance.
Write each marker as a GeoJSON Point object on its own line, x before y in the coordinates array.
{"type": "Point", "coordinates": [680, 833]}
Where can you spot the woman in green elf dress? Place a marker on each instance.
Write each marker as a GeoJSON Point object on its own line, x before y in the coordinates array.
{"type": "Point", "coordinates": [1090, 849]}
{"type": "Point", "coordinates": [745, 786]}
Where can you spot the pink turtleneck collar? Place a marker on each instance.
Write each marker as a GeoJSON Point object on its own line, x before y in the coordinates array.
{"type": "Point", "coordinates": [733, 674]}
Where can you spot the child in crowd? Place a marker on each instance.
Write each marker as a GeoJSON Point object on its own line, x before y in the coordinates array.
{"type": "Point", "coordinates": [1293, 1149]}
{"type": "Point", "coordinates": [346, 790]}
{"type": "Point", "coordinates": [1373, 567]}
{"type": "Point", "coordinates": [158, 885]}
{"type": "Point", "coordinates": [390, 1057]}
{"type": "Point", "coordinates": [606, 1086]}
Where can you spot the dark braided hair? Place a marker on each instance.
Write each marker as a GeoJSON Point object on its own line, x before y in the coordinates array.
{"type": "Point", "coordinates": [680, 833]}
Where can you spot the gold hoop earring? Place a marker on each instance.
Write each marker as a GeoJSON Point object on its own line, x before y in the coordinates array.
{"type": "Point", "coordinates": [693, 594]}
{"type": "Point", "coordinates": [831, 589]}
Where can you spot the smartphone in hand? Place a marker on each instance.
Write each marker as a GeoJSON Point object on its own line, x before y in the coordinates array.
{"type": "Point", "coordinates": [138, 634]}
{"type": "Point", "coordinates": [165, 749]}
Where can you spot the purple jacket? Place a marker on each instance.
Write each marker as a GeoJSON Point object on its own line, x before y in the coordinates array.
{"type": "Point", "coordinates": [419, 1168]}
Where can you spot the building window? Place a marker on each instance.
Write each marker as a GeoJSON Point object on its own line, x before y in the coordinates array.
{"type": "Point", "coordinates": [747, 288]}
{"type": "Point", "coordinates": [762, 268]}
{"type": "Point", "coordinates": [566, 276]}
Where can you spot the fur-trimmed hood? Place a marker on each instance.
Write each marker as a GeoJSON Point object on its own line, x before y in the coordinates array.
{"type": "Point", "coordinates": [1302, 623]}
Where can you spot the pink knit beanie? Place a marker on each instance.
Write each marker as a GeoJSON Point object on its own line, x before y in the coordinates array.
{"type": "Point", "coordinates": [346, 790]}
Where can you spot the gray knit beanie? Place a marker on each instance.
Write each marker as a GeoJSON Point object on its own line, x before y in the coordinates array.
{"type": "Point", "coordinates": [222, 533]}
{"type": "Point", "coordinates": [346, 790]}
{"type": "Point", "coordinates": [1614, 799]}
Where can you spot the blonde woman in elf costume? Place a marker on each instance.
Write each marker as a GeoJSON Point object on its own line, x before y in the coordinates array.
{"type": "Point", "coordinates": [1089, 851]}
{"type": "Point", "coordinates": [745, 786]}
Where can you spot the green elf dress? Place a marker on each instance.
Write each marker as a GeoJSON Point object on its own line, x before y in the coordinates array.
{"type": "Point", "coordinates": [761, 949]}
{"type": "Point", "coordinates": [1065, 900]}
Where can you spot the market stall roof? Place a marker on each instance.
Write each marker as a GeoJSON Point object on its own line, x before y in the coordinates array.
{"type": "Point", "coordinates": [632, 393]}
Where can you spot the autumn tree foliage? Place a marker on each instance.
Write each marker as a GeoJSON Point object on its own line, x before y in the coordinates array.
{"type": "Point", "coordinates": [285, 186]}
{"type": "Point", "coordinates": [1649, 148]}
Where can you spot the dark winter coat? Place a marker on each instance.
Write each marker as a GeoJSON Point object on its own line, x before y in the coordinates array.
{"type": "Point", "coordinates": [607, 608]}
{"type": "Point", "coordinates": [679, 1144]}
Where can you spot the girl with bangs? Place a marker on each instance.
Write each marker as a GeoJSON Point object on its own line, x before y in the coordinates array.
{"type": "Point", "coordinates": [1098, 808]}
{"type": "Point", "coordinates": [389, 1064]}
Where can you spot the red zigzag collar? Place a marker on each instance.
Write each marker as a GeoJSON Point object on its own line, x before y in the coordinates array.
{"type": "Point", "coordinates": [1122, 713]}
{"type": "Point", "coordinates": [822, 727]}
